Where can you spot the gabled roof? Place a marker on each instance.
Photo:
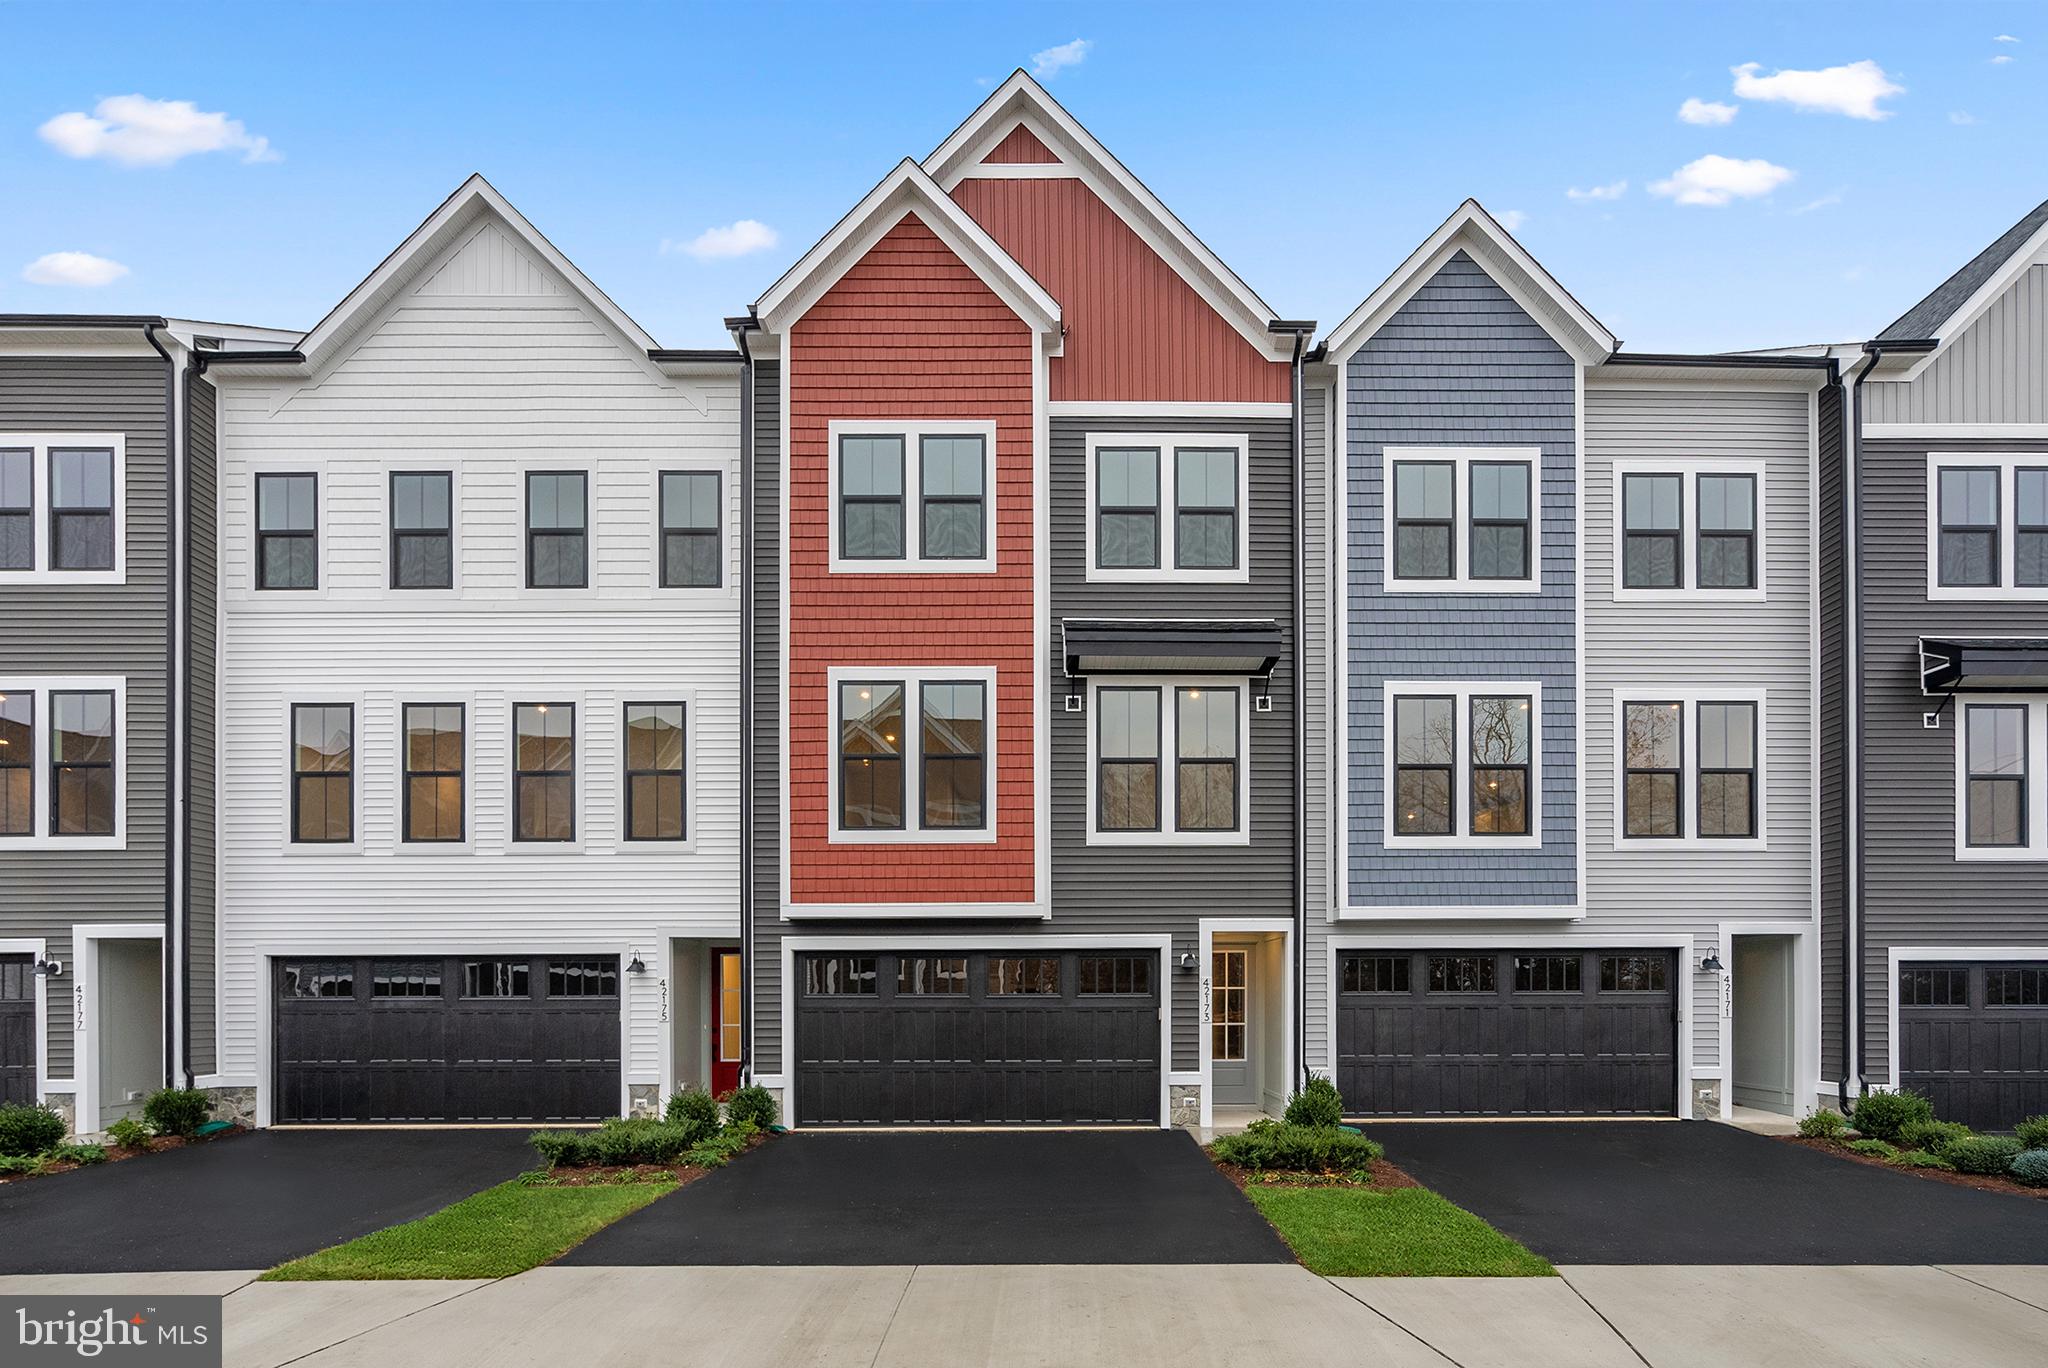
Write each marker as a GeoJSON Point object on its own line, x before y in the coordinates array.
{"type": "Point", "coordinates": [1021, 100]}
{"type": "Point", "coordinates": [1474, 231]}
{"type": "Point", "coordinates": [907, 190]}
{"type": "Point", "coordinates": [1957, 301]}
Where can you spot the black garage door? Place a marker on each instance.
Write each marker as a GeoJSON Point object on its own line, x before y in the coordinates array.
{"type": "Point", "coordinates": [965, 1039]}
{"type": "Point", "coordinates": [17, 1029]}
{"type": "Point", "coordinates": [1507, 1033]}
{"type": "Point", "coordinates": [447, 1039]}
{"type": "Point", "coordinates": [1974, 1039]}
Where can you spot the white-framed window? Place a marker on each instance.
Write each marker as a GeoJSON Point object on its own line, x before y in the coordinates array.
{"type": "Point", "coordinates": [64, 762]}
{"type": "Point", "coordinates": [63, 507]}
{"type": "Point", "coordinates": [913, 754]}
{"type": "Point", "coordinates": [1169, 761]}
{"type": "Point", "coordinates": [1691, 529]}
{"type": "Point", "coordinates": [421, 519]}
{"type": "Point", "coordinates": [913, 497]}
{"type": "Point", "coordinates": [1464, 764]}
{"type": "Point", "coordinates": [1987, 525]}
{"type": "Point", "coordinates": [323, 773]}
{"type": "Point", "coordinates": [2001, 762]}
{"type": "Point", "coordinates": [1689, 767]}
{"type": "Point", "coordinates": [288, 530]}
{"type": "Point", "coordinates": [1168, 507]}
{"type": "Point", "coordinates": [1462, 520]}
{"type": "Point", "coordinates": [690, 529]}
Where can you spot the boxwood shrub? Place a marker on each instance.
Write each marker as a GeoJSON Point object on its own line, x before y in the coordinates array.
{"type": "Point", "coordinates": [753, 1104]}
{"type": "Point", "coordinates": [693, 1107]}
{"type": "Point", "coordinates": [1881, 1115]}
{"type": "Point", "coordinates": [2031, 1167]}
{"type": "Point", "coordinates": [628, 1140]}
{"type": "Point", "coordinates": [1934, 1136]}
{"type": "Point", "coordinates": [2033, 1132]}
{"type": "Point", "coordinates": [175, 1111]}
{"type": "Point", "coordinates": [1920, 1158]}
{"type": "Point", "coordinates": [1990, 1154]}
{"type": "Point", "coordinates": [1317, 1104]}
{"type": "Point", "coordinates": [1824, 1124]}
{"type": "Point", "coordinates": [1276, 1146]}
{"type": "Point", "coordinates": [27, 1130]}
{"type": "Point", "coordinates": [1876, 1149]}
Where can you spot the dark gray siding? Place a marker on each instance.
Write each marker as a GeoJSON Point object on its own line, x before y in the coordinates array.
{"type": "Point", "coordinates": [1915, 889]}
{"type": "Point", "coordinates": [766, 719]}
{"type": "Point", "coordinates": [94, 630]}
{"type": "Point", "coordinates": [1460, 364]}
{"type": "Point", "coordinates": [1831, 539]}
{"type": "Point", "coordinates": [201, 547]}
{"type": "Point", "coordinates": [1167, 889]}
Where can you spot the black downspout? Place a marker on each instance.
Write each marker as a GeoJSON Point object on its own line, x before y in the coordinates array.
{"type": "Point", "coordinates": [192, 373]}
{"type": "Point", "coordinates": [746, 704]}
{"type": "Point", "coordinates": [173, 966]}
{"type": "Point", "coordinates": [1852, 920]}
{"type": "Point", "coordinates": [1300, 699]}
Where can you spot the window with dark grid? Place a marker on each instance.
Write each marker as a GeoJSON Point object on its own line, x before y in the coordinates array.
{"type": "Point", "coordinates": [1632, 974]}
{"type": "Point", "coordinates": [1652, 531]}
{"type": "Point", "coordinates": [1375, 973]}
{"type": "Point", "coordinates": [557, 529]}
{"type": "Point", "coordinates": [81, 509]}
{"type": "Point", "coordinates": [287, 532]}
{"type": "Point", "coordinates": [433, 772]}
{"type": "Point", "coordinates": [583, 978]}
{"type": "Point", "coordinates": [1102, 975]}
{"type": "Point", "coordinates": [839, 976]}
{"type": "Point", "coordinates": [2016, 986]}
{"type": "Point", "coordinates": [497, 978]}
{"type": "Point", "coordinates": [544, 772]}
{"type": "Point", "coordinates": [17, 509]}
{"type": "Point", "coordinates": [17, 763]}
{"type": "Point", "coordinates": [1462, 973]}
{"type": "Point", "coordinates": [654, 772]}
{"type": "Point", "coordinates": [405, 979]}
{"type": "Point", "coordinates": [692, 552]}
{"type": "Point", "coordinates": [422, 529]}
{"type": "Point", "coordinates": [1546, 973]}
{"type": "Point", "coordinates": [1934, 986]}
{"type": "Point", "coordinates": [930, 976]}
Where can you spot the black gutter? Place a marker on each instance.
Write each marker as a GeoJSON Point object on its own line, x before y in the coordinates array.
{"type": "Point", "coordinates": [698, 354]}
{"type": "Point", "coordinates": [1853, 909]}
{"type": "Point", "coordinates": [1713, 361]}
{"type": "Point", "coordinates": [30, 320]}
{"type": "Point", "coordinates": [741, 327]}
{"type": "Point", "coordinates": [1299, 692]}
{"type": "Point", "coordinates": [1877, 350]}
{"type": "Point", "coordinates": [173, 961]}
{"type": "Point", "coordinates": [220, 358]}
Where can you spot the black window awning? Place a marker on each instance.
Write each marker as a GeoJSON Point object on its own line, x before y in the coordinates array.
{"type": "Point", "coordinates": [1227, 646]}
{"type": "Point", "coordinates": [1983, 664]}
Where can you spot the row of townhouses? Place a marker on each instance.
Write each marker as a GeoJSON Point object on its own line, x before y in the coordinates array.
{"type": "Point", "coordinates": [1022, 680]}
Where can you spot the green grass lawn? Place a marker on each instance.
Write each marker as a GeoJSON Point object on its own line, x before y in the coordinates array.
{"type": "Point", "coordinates": [500, 1231]}
{"type": "Point", "coordinates": [1350, 1232]}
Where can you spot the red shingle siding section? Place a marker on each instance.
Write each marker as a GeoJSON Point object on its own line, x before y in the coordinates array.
{"type": "Point", "coordinates": [1020, 147]}
{"type": "Point", "coordinates": [1136, 331]}
{"type": "Point", "coordinates": [909, 332]}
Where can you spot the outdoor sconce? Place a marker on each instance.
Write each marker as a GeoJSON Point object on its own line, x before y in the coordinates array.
{"type": "Point", "coordinates": [1185, 962]}
{"type": "Point", "coordinates": [49, 968]}
{"type": "Point", "coordinates": [636, 965]}
{"type": "Point", "coordinates": [1711, 964]}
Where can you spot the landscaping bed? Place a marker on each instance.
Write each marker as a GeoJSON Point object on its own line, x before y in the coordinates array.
{"type": "Point", "coordinates": [1984, 1182]}
{"type": "Point", "coordinates": [1899, 1131]}
{"type": "Point", "coordinates": [32, 1143]}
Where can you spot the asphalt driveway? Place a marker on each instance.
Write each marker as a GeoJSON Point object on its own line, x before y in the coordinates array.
{"type": "Point", "coordinates": [249, 1201]}
{"type": "Point", "coordinates": [1693, 1192]}
{"type": "Point", "coordinates": [920, 1197]}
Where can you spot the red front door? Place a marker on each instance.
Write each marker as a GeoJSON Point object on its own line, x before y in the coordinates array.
{"type": "Point", "coordinates": [726, 987]}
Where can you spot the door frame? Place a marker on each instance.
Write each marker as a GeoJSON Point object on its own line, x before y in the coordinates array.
{"type": "Point", "coordinates": [1901, 954]}
{"type": "Point", "coordinates": [1205, 937]}
{"type": "Point", "coordinates": [1805, 1010]}
{"type": "Point", "coordinates": [35, 947]}
{"type": "Point", "coordinates": [85, 1063]}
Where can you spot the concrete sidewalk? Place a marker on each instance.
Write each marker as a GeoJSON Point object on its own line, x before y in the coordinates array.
{"type": "Point", "coordinates": [1131, 1316]}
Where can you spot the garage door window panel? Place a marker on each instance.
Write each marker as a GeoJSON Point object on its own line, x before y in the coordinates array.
{"type": "Point", "coordinates": [317, 979]}
{"type": "Point", "coordinates": [1375, 974]}
{"type": "Point", "coordinates": [1633, 974]}
{"type": "Point", "coordinates": [1105, 976]}
{"type": "Point", "coordinates": [1547, 973]}
{"type": "Point", "coordinates": [583, 978]}
{"type": "Point", "coordinates": [931, 976]}
{"type": "Point", "coordinates": [400, 980]}
{"type": "Point", "coordinates": [1028, 976]}
{"type": "Point", "coordinates": [2016, 986]}
{"type": "Point", "coordinates": [497, 978]}
{"type": "Point", "coordinates": [1463, 973]}
{"type": "Point", "coordinates": [840, 976]}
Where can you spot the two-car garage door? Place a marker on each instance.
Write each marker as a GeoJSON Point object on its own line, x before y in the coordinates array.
{"type": "Point", "coordinates": [1507, 1033]}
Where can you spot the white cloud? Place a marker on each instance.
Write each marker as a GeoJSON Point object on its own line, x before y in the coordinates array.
{"type": "Point", "coordinates": [1511, 219]}
{"type": "Point", "coordinates": [2005, 38]}
{"type": "Point", "coordinates": [737, 239]}
{"type": "Point", "coordinates": [72, 268]}
{"type": "Point", "coordinates": [1961, 117]}
{"type": "Point", "coordinates": [1612, 191]}
{"type": "Point", "coordinates": [1715, 180]}
{"type": "Point", "coordinates": [2002, 59]}
{"type": "Point", "coordinates": [1853, 90]}
{"type": "Point", "coordinates": [1711, 113]}
{"type": "Point", "coordinates": [1823, 202]}
{"type": "Point", "coordinates": [1051, 62]}
{"type": "Point", "coordinates": [135, 130]}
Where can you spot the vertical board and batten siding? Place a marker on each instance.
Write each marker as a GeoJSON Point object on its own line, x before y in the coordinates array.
{"type": "Point", "coordinates": [1832, 534]}
{"type": "Point", "coordinates": [1996, 372]}
{"type": "Point", "coordinates": [1111, 889]}
{"type": "Point", "coordinates": [1461, 364]}
{"type": "Point", "coordinates": [1915, 890]}
{"type": "Point", "coordinates": [202, 609]}
{"type": "Point", "coordinates": [1659, 889]}
{"type": "Point", "coordinates": [490, 385]}
{"type": "Point", "coordinates": [101, 629]}
{"type": "Point", "coordinates": [1313, 655]}
{"type": "Point", "coordinates": [770, 760]}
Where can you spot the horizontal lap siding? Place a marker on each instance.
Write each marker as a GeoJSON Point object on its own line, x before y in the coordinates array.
{"type": "Point", "coordinates": [94, 630]}
{"type": "Point", "coordinates": [1832, 534]}
{"type": "Point", "coordinates": [203, 613]}
{"type": "Point", "coordinates": [1317, 831]}
{"type": "Point", "coordinates": [770, 761]}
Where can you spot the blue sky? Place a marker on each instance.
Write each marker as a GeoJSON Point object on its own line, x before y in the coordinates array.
{"type": "Point", "coordinates": [1311, 146]}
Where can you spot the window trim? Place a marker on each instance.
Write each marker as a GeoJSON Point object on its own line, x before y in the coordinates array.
{"type": "Point", "coordinates": [1689, 837]}
{"type": "Point", "coordinates": [405, 773]}
{"type": "Point", "coordinates": [688, 703]}
{"type": "Point", "coordinates": [913, 561]}
{"type": "Point", "coordinates": [41, 834]}
{"type": "Point", "coordinates": [1461, 692]}
{"type": "Point", "coordinates": [1688, 470]}
{"type": "Point", "coordinates": [1461, 459]}
{"type": "Point", "coordinates": [588, 475]}
{"type": "Point", "coordinates": [391, 533]}
{"type": "Point", "coordinates": [257, 534]}
{"type": "Point", "coordinates": [913, 679]}
{"type": "Point", "coordinates": [2034, 798]}
{"type": "Point", "coordinates": [662, 531]}
{"type": "Point", "coordinates": [2005, 586]}
{"type": "Point", "coordinates": [1168, 833]}
{"type": "Point", "coordinates": [1169, 444]}
{"type": "Point", "coordinates": [579, 762]}
{"type": "Point", "coordinates": [354, 704]}
{"type": "Point", "coordinates": [42, 511]}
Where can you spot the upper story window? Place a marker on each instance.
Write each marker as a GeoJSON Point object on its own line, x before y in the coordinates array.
{"type": "Point", "coordinates": [1691, 767]}
{"type": "Point", "coordinates": [557, 529]}
{"type": "Point", "coordinates": [1461, 519]}
{"type": "Point", "coordinates": [422, 529]}
{"type": "Point", "coordinates": [62, 759]}
{"type": "Point", "coordinates": [323, 773]}
{"type": "Point", "coordinates": [692, 551]}
{"type": "Point", "coordinates": [17, 762]}
{"type": "Point", "coordinates": [2001, 766]}
{"type": "Point", "coordinates": [927, 782]}
{"type": "Point", "coordinates": [287, 532]}
{"type": "Point", "coordinates": [1168, 506]}
{"type": "Point", "coordinates": [82, 745]}
{"type": "Point", "coordinates": [913, 496]}
{"type": "Point", "coordinates": [655, 805]}
{"type": "Point", "coordinates": [1462, 763]}
{"type": "Point", "coordinates": [435, 756]}
{"type": "Point", "coordinates": [60, 507]}
{"type": "Point", "coordinates": [1167, 763]}
{"type": "Point", "coordinates": [1691, 528]}
{"type": "Point", "coordinates": [544, 772]}
{"type": "Point", "coordinates": [1987, 533]}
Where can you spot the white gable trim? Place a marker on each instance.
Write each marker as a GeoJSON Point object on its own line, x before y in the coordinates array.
{"type": "Point", "coordinates": [1472, 230]}
{"type": "Point", "coordinates": [2034, 253]}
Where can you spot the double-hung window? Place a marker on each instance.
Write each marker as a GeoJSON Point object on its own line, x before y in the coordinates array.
{"type": "Point", "coordinates": [323, 773]}
{"type": "Point", "coordinates": [287, 531]}
{"type": "Point", "coordinates": [62, 760]}
{"type": "Point", "coordinates": [914, 751]}
{"type": "Point", "coordinates": [544, 772]}
{"type": "Point", "coordinates": [1167, 506]}
{"type": "Point", "coordinates": [1425, 520]}
{"type": "Point", "coordinates": [1206, 758]}
{"type": "Point", "coordinates": [1995, 792]}
{"type": "Point", "coordinates": [81, 509]}
{"type": "Point", "coordinates": [1653, 531]}
{"type": "Point", "coordinates": [655, 805]}
{"type": "Point", "coordinates": [1727, 538]}
{"type": "Point", "coordinates": [557, 529]}
{"type": "Point", "coordinates": [1690, 767]}
{"type": "Point", "coordinates": [434, 764]}
{"type": "Point", "coordinates": [692, 551]}
{"type": "Point", "coordinates": [17, 508]}
{"type": "Point", "coordinates": [17, 762]}
{"type": "Point", "coordinates": [1987, 532]}
{"type": "Point", "coordinates": [1500, 765]}
{"type": "Point", "coordinates": [422, 529]}
{"type": "Point", "coordinates": [1462, 763]}
{"type": "Point", "coordinates": [82, 801]}
{"type": "Point", "coordinates": [1460, 519]}
{"type": "Point", "coordinates": [1205, 498]}
{"type": "Point", "coordinates": [1692, 527]}
{"type": "Point", "coordinates": [61, 507]}
{"type": "Point", "coordinates": [952, 498]}
{"type": "Point", "coordinates": [1168, 762]}
{"type": "Point", "coordinates": [913, 497]}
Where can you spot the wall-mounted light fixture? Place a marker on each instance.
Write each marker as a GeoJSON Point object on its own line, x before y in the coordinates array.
{"type": "Point", "coordinates": [636, 965]}
{"type": "Point", "coordinates": [49, 968]}
{"type": "Point", "coordinates": [1711, 964]}
{"type": "Point", "coordinates": [1185, 962]}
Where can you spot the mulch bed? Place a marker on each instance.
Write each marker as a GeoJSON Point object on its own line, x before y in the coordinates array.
{"type": "Point", "coordinates": [1383, 1175]}
{"type": "Point", "coordinates": [116, 1153]}
{"type": "Point", "coordinates": [601, 1175]}
{"type": "Point", "coordinates": [1984, 1182]}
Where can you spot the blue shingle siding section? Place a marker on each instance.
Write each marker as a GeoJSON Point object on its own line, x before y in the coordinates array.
{"type": "Point", "coordinates": [1461, 364]}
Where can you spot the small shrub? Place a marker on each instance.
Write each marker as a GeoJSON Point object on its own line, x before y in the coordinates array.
{"type": "Point", "coordinates": [640, 1140]}
{"type": "Point", "coordinates": [2031, 1167]}
{"type": "Point", "coordinates": [1317, 1104]}
{"type": "Point", "coordinates": [128, 1133]}
{"type": "Point", "coordinates": [27, 1130]}
{"type": "Point", "coordinates": [1269, 1145]}
{"type": "Point", "coordinates": [1825, 1124]}
{"type": "Point", "coordinates": [695, 1108]}
{"type": "Point", "coordinates": [19, 1163]}
{"type": "Point", "coordinates": [753, 1104]}
{"type": "Point", "coordinates": [562, 1149]}
{"type": "Point", "coordinates": [1876, 1149]}
{"type": "Point", "coordinates": [78, 1154]}
{"type": "Point", "coordinates": [176, 1111]}
{"type": "Point", "coordinates": [1933, 1136]}
{"type": "Point", "coordinates": [1992, 1154]}
{"type": "Point", "coordinates": [720, 1149]}
{"type": "Point", "coordinates": [1920, 1158]}
{"type": "Point", "coordinates": [1881, 1115]}
{"type": "Point", "coordinates": [2032, 1132]}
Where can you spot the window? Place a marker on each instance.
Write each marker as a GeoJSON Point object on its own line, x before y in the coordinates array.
{"type": "Point", "coordinates": [1460, 520]}
{"type": "Point", "coordinates": [583, 978]}
{"type": "Point", "coordinates": [1461, 763]}
{"type": "Point", "coordinates": [1374, 974]}
{"type": "Point", "coordinates": [930, 976]}
{"type": "Point", "coordinates": [1107, 975]}
{"type": "Point", "coordinates": [839, 975]}
{"type": "Point", "coordinates": [544, 772]}
{"type": "Point", "coordinates": [1462, 973]}
{"type": "Point", "coordinates": [1228, 1002]}
{"type": "Point", "coordinates": [497, 979]}
{"type": "Point", "coordinates": [1022, 977]}
{"type": "Point", "coordinates": [932, 782]}
{"type": "Point", "coordinates": [1168, 759]}
{"type": "Point", "coordinates": [1500, 766]}
{"type": "Point", "coordinates": [405, 979]}
{"type": "Point", "coordinates": [1969, 526]}
{"type": "Point", "coordinates": [61, 496]}
{"type": "Point", "coordinates": [1425, 519]}
{"type": "Point", "coordinates": [319, 979]}
{"type": "Point", "coordinates": [1500, 520]}
{"type": "Point", "coordinates": [871, 479]}
{"type": "Point", "coordinates": [1167, 506]}
{"type": "Point", "coordinates": [1727, 546]}
{"type": "Point", "coordinates": [870, 756]}
{"type": "Point", "coordinates": [17, 762]}
{"type": "Point", "coordinates": [1691, 527]}
{"type": "Point", "coordinates": [1987, 525]}
{"type": "Point", "coordinates": [1690, 768]}
{"type": "Point", "coordinates": [654, 772]}
{"type": "Point", "coordinates": [434, 736]}
{"type": "Point", "coordinates": [557, 530]}
{"type": "Point", "coordinates": [2030, 528]}
{"type": "Point", "coordinates": [1632, 974]}
{"type": "Point", "coordinates": [952, 498]}
{"type": "Point", "coordinates": [1652, 531]}
{"type": "Point", "coordinates": [17, 509]}
{"type": "Point", "coordinates": [1997, 791]}
{"type": "Point", "coordinates": [953, 726]}
{"type": "Point", "coordinates": [2016, 986]}
{"type": "Point", "coordinates": [81, 509]}
{"type": "Point", "coordinates": [1653, 769]}
{"type": "Point", "coordinates": [1546, 973]}
{"type": "Point", "coordinates": [1425, 752]}
{"type": "Point", "coordinates": [1934, 986]}
{"type": "Point", "coordinates": [82, 763]}
{"type": "Point", "coordinates": [1205, 764]}
{"type": "Point", "coordinates": [692, 552]}
{"type": "Point", "coordinates": [913, 497]}
{"type": "Point", "coordinates": [1727, 779]}
{"type": "Point", "coordinates": [323, 773]}
{"type": "Point", "coordinates": [1127, 722]}
{"type": "Point", "coordinates": [422, 529]}
{"type": "Point", "coordinates": [287, 532]}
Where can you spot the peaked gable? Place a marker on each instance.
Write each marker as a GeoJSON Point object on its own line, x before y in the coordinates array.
{"type": "Point", "coordinates": [490, 263]}
{"type": "Point", "coordinates": [1021, 147]}
{"type": "Point", "coordinates": [1933, 317]}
